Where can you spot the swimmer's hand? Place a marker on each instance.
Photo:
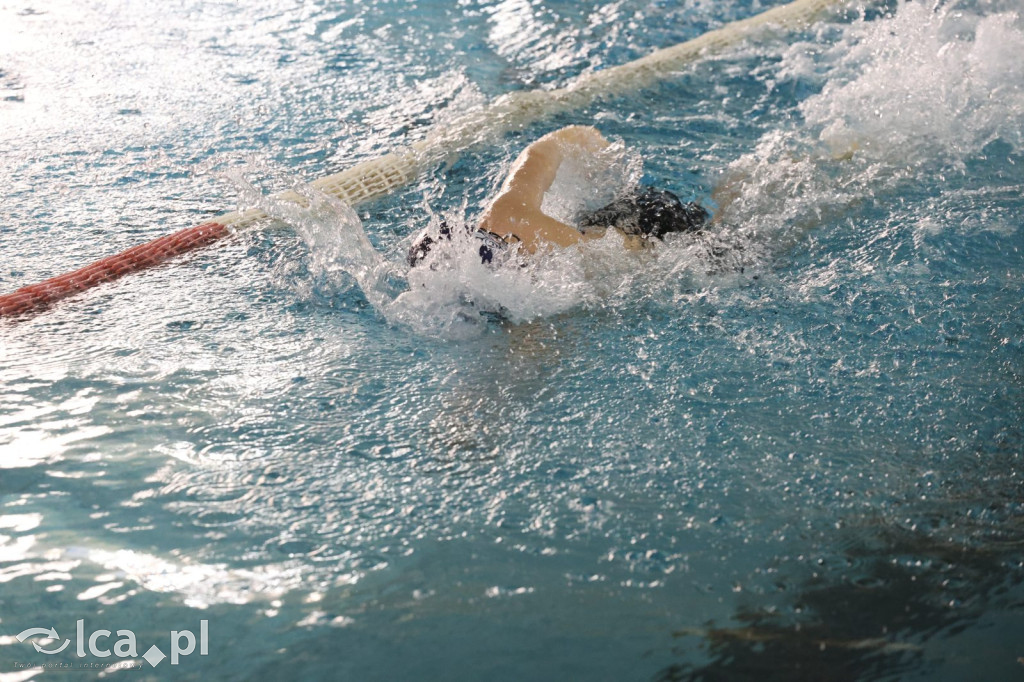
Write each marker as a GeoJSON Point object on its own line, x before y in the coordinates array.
{"type": "Point", "coordinates": [583, 138]}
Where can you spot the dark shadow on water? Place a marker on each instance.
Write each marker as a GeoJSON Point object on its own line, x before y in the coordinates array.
{"type": "Point", "coordinates": [902, 586]}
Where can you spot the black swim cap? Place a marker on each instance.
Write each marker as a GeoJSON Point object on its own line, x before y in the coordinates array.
{"type": "Point", "coordinates": [648, 212]}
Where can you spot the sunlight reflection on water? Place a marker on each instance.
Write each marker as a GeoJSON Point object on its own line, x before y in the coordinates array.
{"type": "Point", "coordinates": [643, 450]}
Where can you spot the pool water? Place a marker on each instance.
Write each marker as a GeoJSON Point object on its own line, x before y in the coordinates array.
{"type": "Point", "coordinates": [800, 461]}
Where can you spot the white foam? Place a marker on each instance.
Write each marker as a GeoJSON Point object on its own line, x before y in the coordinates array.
{"type": "Point", "coordinates": [922, 83]}
{"type": "Point", "coordinates": [920, 91]}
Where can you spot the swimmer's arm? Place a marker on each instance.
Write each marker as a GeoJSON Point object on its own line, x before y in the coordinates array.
{"type": "Point", "coordinates": [509, 215]}
{"type": "Point", "coordinates": [517, 208]}
{"type": "Point", "coordinates": [535, 169]}
{"type": "Point", "coordinates": [537, 231]}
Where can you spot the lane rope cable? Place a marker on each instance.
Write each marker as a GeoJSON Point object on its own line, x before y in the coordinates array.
{"type": "Point", "coordinates": [377, 177]}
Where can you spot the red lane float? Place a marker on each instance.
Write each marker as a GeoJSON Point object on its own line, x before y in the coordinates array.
{"type": "Point", "coordinates": [37, 296]}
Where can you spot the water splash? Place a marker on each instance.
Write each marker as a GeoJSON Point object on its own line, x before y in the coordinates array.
{"type": "Point", "coordinates": [923, 90]}
{"type": "Point", "coordinates": [338, 246]}
{"type": "Point", "coordinates": [586, 183]}
{"type": "Point", "coordinates": [926, 82]}
{"type": "Point", "coordinates": [456, 295]}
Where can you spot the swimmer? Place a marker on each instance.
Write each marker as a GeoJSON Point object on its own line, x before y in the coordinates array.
{"type": "Point", "coordinates": [515, 215]}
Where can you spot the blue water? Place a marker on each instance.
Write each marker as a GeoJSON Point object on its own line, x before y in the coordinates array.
{"type": "Point", "coordinates": [801, 463]}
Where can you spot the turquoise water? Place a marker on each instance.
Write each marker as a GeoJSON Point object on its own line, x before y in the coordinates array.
{"type": "Point", "coordinates": [801, 463]}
